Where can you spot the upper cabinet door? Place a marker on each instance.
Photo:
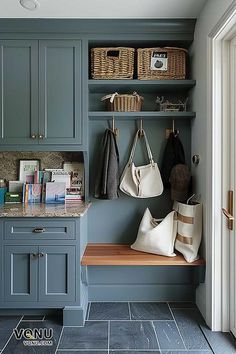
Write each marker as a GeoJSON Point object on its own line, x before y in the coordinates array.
{"type": "Point", "coordinates": [18, 91]}
{"type": "Point", "coordinates": [60, 120]}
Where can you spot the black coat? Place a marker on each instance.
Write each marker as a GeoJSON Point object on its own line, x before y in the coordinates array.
{"type": "Point", "coordinates": [173, 155]}
{"type": "Point", "coordinates": [107, 180]}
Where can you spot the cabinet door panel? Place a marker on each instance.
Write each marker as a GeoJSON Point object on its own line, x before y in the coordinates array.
{"type": "Point", "coordinates": [57, 273]}
{"type": "Point", "coordinates": [18, 91]}
{"type": "Point", "coordinates": [20, 273]}
{"type": "Point", "coordinates": [60, 92]}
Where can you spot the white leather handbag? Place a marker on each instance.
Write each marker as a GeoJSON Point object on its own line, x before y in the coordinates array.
{"type": "Point", "coordinates": [189, 230]}
{"type": "Point", "coordinates": [154, 237]}
{"type": "Point", "coordinates": [141, 181]}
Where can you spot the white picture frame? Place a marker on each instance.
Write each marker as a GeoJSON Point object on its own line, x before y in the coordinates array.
{"type": "Point", "coordinates": [27, 169]}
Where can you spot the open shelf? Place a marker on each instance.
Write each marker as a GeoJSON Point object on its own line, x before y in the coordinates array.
{"type": "Point", "coordinates": [142, 86]}
{"type": "Point", "coordinates": [105, 254]}
{"type": "Point", "coordinates": [104, 115]}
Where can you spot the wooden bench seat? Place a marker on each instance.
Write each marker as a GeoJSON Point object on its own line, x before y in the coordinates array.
{"type": "Point", "coordinates": [109, 254]}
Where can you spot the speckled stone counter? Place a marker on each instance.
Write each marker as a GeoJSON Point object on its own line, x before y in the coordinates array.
{"type": "Point", "coordinates": [69, 210]}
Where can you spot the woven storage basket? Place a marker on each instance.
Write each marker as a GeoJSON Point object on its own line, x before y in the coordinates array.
{"type": "Point", "coordinates": [162, 63]}
{"type": "Point", "coordinates": [123, 102]}
{"type": "Point", "coordinates": [112, 63]}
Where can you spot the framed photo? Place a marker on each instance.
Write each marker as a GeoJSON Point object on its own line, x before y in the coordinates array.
{"type": "Point", "coordinates": [76, 170]}
{"type": "Point", "coordinates": [27, 169]}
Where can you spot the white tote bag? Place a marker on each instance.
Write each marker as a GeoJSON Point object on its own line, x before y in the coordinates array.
{"type": "Point", "coordinates": [189, 230]}
{"type": "Point", "coordinates": [154, 237]}
{"type": "Point", "coordinates": [141, 181]}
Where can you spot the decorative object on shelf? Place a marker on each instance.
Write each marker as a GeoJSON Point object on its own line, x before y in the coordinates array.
{"type": "Point", "coordinates": [123, 102]}
{"type": "Point", "coordinates": [61, 176]}
{"type": "Point", "coordinates": [156, 235]}
{"type": "Point", "coordinates": [189, 229]}
{"type": "Point", "coordinates": [33, 193]}
{"type": "Point", "coordinates": [27, 169]}
{"type": "Point", "coordinates": [112, 63]}
{"type": "Point", "coordinates": [141, 181]}
{"type": "Point", "coordinates": [76, 171]}
{"type": "Point", "coordinates": [3, 191]}
{"type": "Point", "coordinates": [15, 186]}
{"type": "Point", "coordinates": [167, 106]}
{"type": "Point", "coordinates": [161, 63]}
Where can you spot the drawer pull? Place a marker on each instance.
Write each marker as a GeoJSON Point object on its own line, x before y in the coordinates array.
{"type": "Point", "coordinates": [39, 230]}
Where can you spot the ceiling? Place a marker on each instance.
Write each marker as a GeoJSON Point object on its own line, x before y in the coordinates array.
{"type": "Point", "coordinates": [104, 9]}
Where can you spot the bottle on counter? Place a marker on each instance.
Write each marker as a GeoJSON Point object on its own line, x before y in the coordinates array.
{"type": "Point", "coordinates": [3, 190]}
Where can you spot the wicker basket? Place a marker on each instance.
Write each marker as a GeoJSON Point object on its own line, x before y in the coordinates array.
{"type": "Point", "coordinates": [162, 63]}
{"type": "Point", "coordinates": [123, 102]}
{"type": "Point", "coordinates": [112, 63]}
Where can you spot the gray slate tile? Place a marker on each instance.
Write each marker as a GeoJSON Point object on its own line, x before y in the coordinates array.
{"type": "Point", "coordinates": [221, 343]}
{"type": "Point", "coordinates": [182, 305]}
{"type": "Point", "coordinates": [150, 311]}
{"type": "Point", "coordinates": [7, 323]}
{"type": "Point", "coordinates": [17, 346]}
{"type": "Point", "coordinates": [168, 335]}
{"type": "Point", "coordinates": [188, 352]}
{"type": "Point", "coordinates": [109, 311]}
{"type": "Point", "coordinates": [33, 318]}
{"type": "Point", "coordinates": [82, 351]}
{"type": "Point", "coordinates": [94, 335]}
{"type": "Point", "coordinates": [188, 321]}
{"type": "Point", "coordinates": [130, 335]}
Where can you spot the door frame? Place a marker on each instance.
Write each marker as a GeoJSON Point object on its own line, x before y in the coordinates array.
{"type": "Point", "coordinates": [218, 178]}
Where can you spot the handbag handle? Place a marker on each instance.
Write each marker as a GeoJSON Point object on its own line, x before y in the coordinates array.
{"type": "Point", "coordinates": [149, 152]}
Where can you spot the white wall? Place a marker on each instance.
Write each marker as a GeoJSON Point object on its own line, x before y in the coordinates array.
{"type": "Point", "coordinates": [210, 15]}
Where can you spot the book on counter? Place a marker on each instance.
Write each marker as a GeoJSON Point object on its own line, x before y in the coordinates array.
{"type": "Point", "coordinates": [32, 193]}
{"type": "Point", "coordinates": [55, 192]}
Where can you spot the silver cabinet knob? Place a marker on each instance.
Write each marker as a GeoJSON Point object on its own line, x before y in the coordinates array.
{"type": "Point", "coordinates": [33, 255]}
{"type": "Point", "coordinates": [41, 136]}
{"type": "Point", "coordinates": [39, 230]}
{"type": "Point", "coordinates": [41, 254]}
{"type": "Point", "coordinates": [33, 136]}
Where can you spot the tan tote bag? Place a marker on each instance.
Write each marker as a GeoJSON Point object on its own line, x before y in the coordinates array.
{"type": "Point", "coordinates": [141, 181]}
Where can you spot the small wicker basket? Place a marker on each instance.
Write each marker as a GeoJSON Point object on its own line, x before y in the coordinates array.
{"type": "Point", "coordinates": [162, 63]}
{"type": "Point", "coordinates": [123, 102]}
{"type": "Point", "coordinates": [112, 63]}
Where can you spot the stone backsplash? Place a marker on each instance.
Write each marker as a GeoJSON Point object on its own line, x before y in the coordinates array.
{"type": "Point", "coordinates": [9, 161]}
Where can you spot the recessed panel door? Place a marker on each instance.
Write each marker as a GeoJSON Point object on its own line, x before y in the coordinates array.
{"type": "Point", "coordinates": [20, 273]}
{"type": "Point", "coordinates": [60, 120]}
{"type": "Point", "coordinates": [57, 273]}
{"type": "Point", "coordinates": [18, 92]}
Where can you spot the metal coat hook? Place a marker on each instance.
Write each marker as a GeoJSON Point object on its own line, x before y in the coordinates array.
{"type": "Point", "coordinates": [176, 132]}
{"type": "Point", "coordinates": [113, 128]}
{"type": "Point", "coordinates": [141, 129]}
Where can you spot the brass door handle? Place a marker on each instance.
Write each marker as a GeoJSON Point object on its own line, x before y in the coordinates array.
{"type": "Point", "coordinates": [228, 215]}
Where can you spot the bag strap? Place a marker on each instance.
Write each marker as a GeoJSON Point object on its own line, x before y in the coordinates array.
{"type": "Point", "coordinates": [149, 152]}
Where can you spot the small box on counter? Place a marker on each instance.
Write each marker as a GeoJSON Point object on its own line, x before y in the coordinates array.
{"type": "Point", "coordinates": [13, 197]}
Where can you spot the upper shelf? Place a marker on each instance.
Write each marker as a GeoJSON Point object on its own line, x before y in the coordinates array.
{"type": "Point", "coordinates": [103, 115]}
{"type": "Point", "coordinates": [142, 86]}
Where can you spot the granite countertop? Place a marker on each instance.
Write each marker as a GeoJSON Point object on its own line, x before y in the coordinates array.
{"type": "Point", "coordinates": [73, 210]}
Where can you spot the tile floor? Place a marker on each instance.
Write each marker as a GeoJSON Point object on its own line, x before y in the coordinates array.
{"type": "Point", "coordinates": [122, 328]}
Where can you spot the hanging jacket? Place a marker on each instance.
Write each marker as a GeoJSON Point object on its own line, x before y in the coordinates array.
{"type": "Point", "coordinates": [173, 155]}
{"type": "Point", "coordinates": [107, 180]}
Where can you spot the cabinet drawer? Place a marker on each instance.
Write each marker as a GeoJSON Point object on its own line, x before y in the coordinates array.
{"type": "Point", "coordinates": [40, 229]}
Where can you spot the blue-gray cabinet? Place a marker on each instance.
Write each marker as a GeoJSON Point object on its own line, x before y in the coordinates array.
{"type": "Point", "coordinates": [41, 273]}
{"type": "Point", "coordinates": [40, 92]}
{"type": "Point", "coordinates": [18, 91]}
{"type": "Point", "coordinates": [40, 265]}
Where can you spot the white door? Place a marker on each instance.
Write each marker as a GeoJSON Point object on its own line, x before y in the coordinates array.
{"type": "Point", "coordinates": [232, 184]}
